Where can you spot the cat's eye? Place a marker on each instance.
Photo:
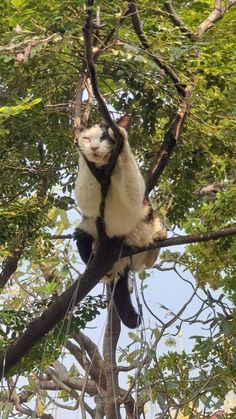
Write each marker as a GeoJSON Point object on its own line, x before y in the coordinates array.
{"type": "Point", "coordinates": [86, 138]}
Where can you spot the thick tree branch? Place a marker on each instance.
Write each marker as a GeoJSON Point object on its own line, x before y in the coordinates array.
{"type": "Point", "coordinates": [171, 137]}
{"type": "Point", "coordinates": [102, 263]}
{"type": "Point", "coordinates": [112, 333]}
{"type": "Point", "coordinates": [145, 44]}
{"type": "Point", "coordinates": [72, 383]}
{"type": "Point", "coordinates": [96, 372]}
{"type": "Point", "coordinates": [216, 14]}
{"type": "Point", "coordinates": [174, 241]}
{"type": "Point", "coordinates": [91, 348]}
{"type": "Point", "coordinates": [9, 265]}
{"type": "Point", "coordinates": [177, 241]}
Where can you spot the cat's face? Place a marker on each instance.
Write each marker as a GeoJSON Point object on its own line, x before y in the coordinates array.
{"type": "Point", "coordinates": [96, 144]}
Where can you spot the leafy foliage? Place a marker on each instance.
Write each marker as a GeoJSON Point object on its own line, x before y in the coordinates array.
{"type": "Point", "coordinates": [41, 55]}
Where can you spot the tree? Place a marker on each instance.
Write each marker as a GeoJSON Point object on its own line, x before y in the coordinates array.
{"type": "Point", "coordinates": [172, 67]}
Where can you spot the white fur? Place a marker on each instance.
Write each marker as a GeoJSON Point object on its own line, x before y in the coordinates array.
{"type": "Point", "coordinates": [124, 201]}
{"type": "Point", "coordinates": [144, 234]}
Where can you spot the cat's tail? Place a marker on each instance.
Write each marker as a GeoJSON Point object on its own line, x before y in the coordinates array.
{"type": "Point", "coordinates": [121, 294]}
{"type": "Point", "coordinates": [123, 302]}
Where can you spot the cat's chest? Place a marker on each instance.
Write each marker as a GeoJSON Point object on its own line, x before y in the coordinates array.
{"type": "Point", "coordinates": [87, 191]}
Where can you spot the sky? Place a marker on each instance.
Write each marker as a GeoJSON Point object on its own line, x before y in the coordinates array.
{"type": "Point", "coordinates": [163, 289]}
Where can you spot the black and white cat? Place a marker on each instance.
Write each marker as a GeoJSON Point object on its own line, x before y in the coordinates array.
{"type": "Point", "coordinates": [126, 214]}
{"type": "Point", "coordinates": [124, 200]}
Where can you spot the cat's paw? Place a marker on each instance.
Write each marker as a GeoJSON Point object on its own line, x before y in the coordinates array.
{"type": "Point", "coordinates": [160, 235]}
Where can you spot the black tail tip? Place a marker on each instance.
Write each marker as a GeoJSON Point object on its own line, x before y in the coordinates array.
{"type": "Point", "coordinates": [132, 322]}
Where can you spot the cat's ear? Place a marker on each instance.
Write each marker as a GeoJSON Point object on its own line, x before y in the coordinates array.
{"type": "Point", "coordinates": [124, 122]}
{"type": "Point", "coordinates": [79, 125]}
{"type": "Point", "coordinates": [82, 127]}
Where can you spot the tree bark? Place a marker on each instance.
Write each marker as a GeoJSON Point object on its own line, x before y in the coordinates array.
{"type": "Point", "coordinates": [112, 333]}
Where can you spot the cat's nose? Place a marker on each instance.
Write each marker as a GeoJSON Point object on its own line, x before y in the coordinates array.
{"type": "Point", "coordinates": [94, 147]}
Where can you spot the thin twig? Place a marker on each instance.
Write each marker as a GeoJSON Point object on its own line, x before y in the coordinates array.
{"type": "Point", "coordinates": [176, 20]}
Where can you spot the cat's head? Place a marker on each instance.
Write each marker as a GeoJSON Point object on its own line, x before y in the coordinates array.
{"type": "Point", "coordinates": [96, 143]}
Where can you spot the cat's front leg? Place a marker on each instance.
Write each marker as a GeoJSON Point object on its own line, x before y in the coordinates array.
{"type": "Point", "coordinates": [160, 235]}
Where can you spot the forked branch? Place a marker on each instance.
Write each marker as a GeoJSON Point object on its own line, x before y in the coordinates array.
{"type": "Point", "coordinates": [216, 14]}
{"type": "Point", "coordinates": [145, 44]}
{"type": "Point", "coordinates": [176, 19]}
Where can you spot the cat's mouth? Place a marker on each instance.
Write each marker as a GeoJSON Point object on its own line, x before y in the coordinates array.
{"type": "Point", "coordinates": [99, 158]}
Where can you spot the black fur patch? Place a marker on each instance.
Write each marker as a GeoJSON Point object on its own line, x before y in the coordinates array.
{"type": "Point", "coordinates": [105, 134]}
{"type": "Point", "coordinates": [150, 216]}
{"type": "Point", "coordinates": [123, 302]}
{"type": "Point", "coordinates": [84, 243]}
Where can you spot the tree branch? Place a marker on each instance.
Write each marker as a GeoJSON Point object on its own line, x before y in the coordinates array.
{"type": "Point", "coordinates": [102, 262]}
{"type": "Point", "coordinates": [111, 336]}
{"type": "Point", "coordinates": [145, 44]}
{"type": "Point", "coordinates": [176, 241]}
{"type": "Point", "coordinates": [176, 19]}
{"type": "Point", "coordinates": [10, 264]}
{"type": "Point", "coordinates": [95, 371]}
{"type": "Point", "coordinates": [170, 140]}
{"type": "Point", "coordinates": [91, 349]}
{"type": "Point", "coordinates": [63, 381]}
{"type": "Point", "coordinates": [216, 14]}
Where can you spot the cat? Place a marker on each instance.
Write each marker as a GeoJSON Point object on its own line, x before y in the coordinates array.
{"type": "Point", "coordinates": [127, 212]}
{"type": "Point", "coordinates": [124, 200]}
